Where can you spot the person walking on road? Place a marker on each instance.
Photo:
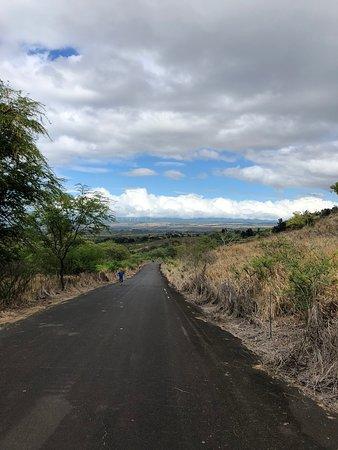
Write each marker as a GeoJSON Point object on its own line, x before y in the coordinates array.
{"type": "Point", "coordinates": [120, 274]}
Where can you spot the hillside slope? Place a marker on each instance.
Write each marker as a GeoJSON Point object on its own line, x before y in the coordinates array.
{"type": "Point", "coordinates": [279, 295]}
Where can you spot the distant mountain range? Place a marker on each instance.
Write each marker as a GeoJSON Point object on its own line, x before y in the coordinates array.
{"type": "Point", "coordinates": [167, 224]}
{"type": "Point", "coordinates": [201, 220]}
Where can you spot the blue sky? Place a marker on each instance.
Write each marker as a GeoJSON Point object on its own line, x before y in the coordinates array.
{"type": "Point", "coordinates": [200, 177]}
{"type": "Point", "coordinates": [233, 114]}
{"type": "Point", "coordinates": [52, 54]}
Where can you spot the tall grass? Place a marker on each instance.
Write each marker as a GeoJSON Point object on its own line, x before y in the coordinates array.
{"type": "Point", "coordinates": [289, 276]}
{"type": "Point", "coordinates": [39, 288]}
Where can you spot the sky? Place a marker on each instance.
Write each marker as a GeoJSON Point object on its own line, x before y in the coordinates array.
{"type": "Point", "coordinates": [184, 108]}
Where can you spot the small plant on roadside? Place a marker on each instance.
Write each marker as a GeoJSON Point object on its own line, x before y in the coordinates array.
{"type": "Point", "coordinates": [308, 278]}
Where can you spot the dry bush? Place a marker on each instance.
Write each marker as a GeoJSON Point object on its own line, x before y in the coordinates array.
{"type": "Point", "coordinates": [288, 276]}
{"type": "Point", "coordinates": [315, 356]}
{"type": "Point", "coordinates": [28, 290]}
{"type": "Point", "coordinates": [15, 276]}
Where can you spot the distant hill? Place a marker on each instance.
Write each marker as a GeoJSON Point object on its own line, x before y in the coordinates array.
{"type": "Point", "coordinates": [200, 224]}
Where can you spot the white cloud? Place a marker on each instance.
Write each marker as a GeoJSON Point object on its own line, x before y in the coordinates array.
{"type": "Point", "coordinates": [252, 78]}
{"type": "Point", "coordinates": [289, 166]}
{"type": "Point", "coordinates": [210, 154]}
{"type": "Point", "coordinates": [253, 173]}
{"type": "Point", "coordinates": [140, 172]}
{"type": "Point", "coordinates": [88, 169]}
{"type": "Point", "coordinates": [139, 202]}
{"type": "Point", "coordinates": [174, 174]}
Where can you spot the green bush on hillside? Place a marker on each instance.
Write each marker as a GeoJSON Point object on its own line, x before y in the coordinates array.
{"type": "Point", "coordinates": [307, 279]}
{"type": "Point", "coordinates": [85, 257]}
{"type": "Point", "coordinates": [300, 220]}
{"type": "Point", "coordinates": [114, 251]}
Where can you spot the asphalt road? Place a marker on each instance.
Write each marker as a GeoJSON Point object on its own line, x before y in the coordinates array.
{"type": "Point", "coordinates": [132, 367]}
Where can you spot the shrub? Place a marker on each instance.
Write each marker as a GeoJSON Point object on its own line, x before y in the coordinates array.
{"type": "Point", "coordinates": [14, 278]}
{"type": "Point", "coordinates": [85, 257]}
{"type": "Point", "coordinates": [261, 266]}
{"type": "Point", "coordinates": [281, 226]}
{"type": "Point", "coordinates": [249, 232]}
{"type": "Point", "coordinates": [111, 266]}
{"type": "Point", "coordinates": [308, 278]}
{"type": "Point", "coordinates": [114, 251]}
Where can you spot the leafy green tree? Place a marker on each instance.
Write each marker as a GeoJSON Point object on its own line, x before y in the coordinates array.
{"type": "Point", "coordinates": [61, 221]}
{"type": "Point", "coordinates": [334, 187]}
{"type": "Point", "coordinates": [25, 177]}
{"type": "Point", "coordinates": [300, 220]}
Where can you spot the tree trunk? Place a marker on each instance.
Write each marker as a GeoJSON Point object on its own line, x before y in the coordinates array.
{"type": "Point", "coordinates": [62, 274]}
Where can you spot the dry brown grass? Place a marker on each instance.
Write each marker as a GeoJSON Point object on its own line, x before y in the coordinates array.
{"type": "Point", "coordinates": [44, 291]}
{"type": "Point", "coordinates": [292, 278]}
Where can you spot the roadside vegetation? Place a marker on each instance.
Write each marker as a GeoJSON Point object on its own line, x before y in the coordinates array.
{"type": "Point", "coordinates": [278, 292]}
{"type": "Point", "coordinates": [50, 241]}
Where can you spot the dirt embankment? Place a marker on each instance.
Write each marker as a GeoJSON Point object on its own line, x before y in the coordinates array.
{"type": "Point", "coordinates": [44, 292]}
{"type": "Point", "coordinates": [279, 295]}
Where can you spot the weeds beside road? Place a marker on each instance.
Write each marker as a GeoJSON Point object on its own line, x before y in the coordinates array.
{"type": "Point", "coordinates": [288, 280]}
{"type": "Point", "coordinates": [44, 291]}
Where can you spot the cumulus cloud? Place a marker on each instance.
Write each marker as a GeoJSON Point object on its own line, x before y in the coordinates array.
{"type": "Point", "coordinates": [139, 202]}
{"type": "Point", "coordinates": [140, 172]}
{"type": "Point", "coordinates": [312, 165]}
{"type": "Point", "coordinates": [253, 78]}
{"type": "Point", "coordinates": [210, 154]}
{"type": "Point", "coordinates": [174, 174]}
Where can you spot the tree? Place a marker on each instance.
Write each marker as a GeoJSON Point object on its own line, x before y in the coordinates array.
{"type": "Point", "coordinates": [334, 187]}
{"type": "Point", "coordinates": [300, 220]}
{"type": "Point", "coordinates": [249, 232]}
{"type": "Point", "coordinates": [25, 177]}
{"type": "Point", "coordinates": [63, 219]}
{"type": "Point", "coordinates": [281, 226]}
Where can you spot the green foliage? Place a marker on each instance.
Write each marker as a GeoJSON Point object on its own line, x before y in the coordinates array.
{"type": "Point", "coordinates": [25, 181]}
{"type": "Point", "coordinates": [300, 220]}
{"type": "Point", "coordinates": [198, 250]}
{"type": "Point", "coordinates": [114, 251]}
{"type": "Point", "coordinates": [62, 220]}
{"type": "Point", "coordinates": [306, 273]}
{"type": "Point", "coordinates": [84, 257]}
{"type": "Point", "coordinates": [25, 178]}
{"type": "Point", "coordinates": [280, 227]}
{"type": "Point", "coordinates": [171, 251]}
{"type": "Point", "coordinates": [261, 266]}
{"type": "Point", "coordinates": [249, 232]}
{"type": "Point", "coordinates": [111, 266]}
{"type": "Point", "coordinates": [334, 187]}
{"type": "Point", "coordinates": [307, 277]}
{"type": "Point", "coordinates": [162, 252]}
